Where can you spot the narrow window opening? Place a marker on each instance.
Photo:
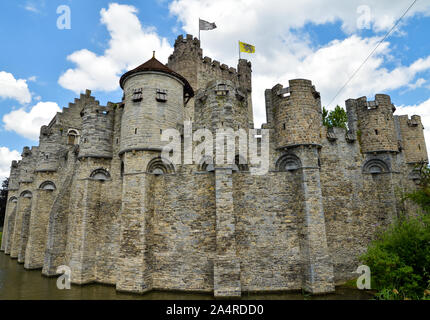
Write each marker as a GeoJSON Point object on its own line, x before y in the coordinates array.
{"type": "Point", "coordinates": [419, 147]}
{"type": "Point", "coordinates": [376, 131]}
{"type": "Point", "coordinates": [135, 131]}
{"type": "Point", "coordinates": [284, 126]}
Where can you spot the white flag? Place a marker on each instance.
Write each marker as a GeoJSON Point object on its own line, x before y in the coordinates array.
{"type": "Point", "coordinates": [204, 25]}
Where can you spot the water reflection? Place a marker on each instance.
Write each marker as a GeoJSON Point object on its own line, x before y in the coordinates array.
{"type": "Point", "coordinates": [16, 283]}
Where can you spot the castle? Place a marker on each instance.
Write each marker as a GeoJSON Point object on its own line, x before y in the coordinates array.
{"type": "Point", "coordinates": [97, 196]}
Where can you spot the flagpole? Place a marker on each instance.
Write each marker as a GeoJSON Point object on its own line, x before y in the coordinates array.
{"type": "Point", "coordinates": [199, 29]}
{"type": "Point", "coordinates": [239, 48]}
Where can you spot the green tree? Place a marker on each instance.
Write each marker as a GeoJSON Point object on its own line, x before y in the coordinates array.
{"type": "Point", "coordinates": [336, 118]}
{"type": "Point", "coordinates": [3, 200]}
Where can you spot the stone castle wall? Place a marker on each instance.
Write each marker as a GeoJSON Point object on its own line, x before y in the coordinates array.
{"type": "Point", "coordinates": [96, 195]}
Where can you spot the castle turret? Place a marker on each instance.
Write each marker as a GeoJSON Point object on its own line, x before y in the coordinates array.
{"type": "Point", "coordinates": [154, 100]}
{"type": "Point", "coordinates": [295, 113]}
{"type": "Point", "coordinates": [221, 105]}
{"type": "Point", "coordinates": [412, 142]}
{"type": "Point", "coordinates": [373, 123]}
{"type": "Point", "coordinates": [154, 97]}
{"type": "Point", "coordinates": [97, 131]}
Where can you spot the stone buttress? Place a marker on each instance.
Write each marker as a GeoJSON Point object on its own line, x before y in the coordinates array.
{"type": "Point", "coordinates": [295, 115]}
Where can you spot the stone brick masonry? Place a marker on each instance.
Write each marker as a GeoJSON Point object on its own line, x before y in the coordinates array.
{"type": "Point", "coordinates": [97, 196]}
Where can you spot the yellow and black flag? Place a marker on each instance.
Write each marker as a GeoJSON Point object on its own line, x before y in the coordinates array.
{"type": "Point", "coordinates": [244, 47]}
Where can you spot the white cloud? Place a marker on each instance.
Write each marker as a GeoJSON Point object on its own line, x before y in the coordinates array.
{"type": "Point", "coordinates": [32, 79]}
{"type": "Point", "coordinates": [6, 158]}
{"type": "Point", "coordinates": [276, 16]}
{"type": "Point", "coordinates": [11, 88]}
{"type": "Point", "coordinates": [31, 8]}
{"type": "Point", "coordinates": [35, 6]}
{"type": "Point", "coordinates": [284, 51]}
{"type": "Point", "coordinates": [27, 124]}
{"type": "Point", "coordinates": [129, 46]}
{"type": "Point", "coordinates": [422, 109]}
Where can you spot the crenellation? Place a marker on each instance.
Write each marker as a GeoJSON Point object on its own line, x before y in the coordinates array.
{"type": "Point", "coordinates": [97, 195]}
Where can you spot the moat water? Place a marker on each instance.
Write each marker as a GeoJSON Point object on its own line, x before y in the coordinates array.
{"type": "Point", "coordinates": [16, 283]}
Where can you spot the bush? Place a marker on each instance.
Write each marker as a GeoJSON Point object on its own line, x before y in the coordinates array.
{"type": "Point", "coordinates": [399, 259]}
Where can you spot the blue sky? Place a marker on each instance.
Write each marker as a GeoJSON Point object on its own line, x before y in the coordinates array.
{"type": "Point", "coordinates": [43, 68]}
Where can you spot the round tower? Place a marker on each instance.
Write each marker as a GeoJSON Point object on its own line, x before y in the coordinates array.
{"type": "Point", "coordinates": [97, 131]}
{"type": "Point", "coordinates": [154, 98]}
{"type": "Point", "coordinates": [221, 105]}
{"type": "Point", "coordinates": [374, 123]}
{"type": "Point", "coordinates": [298, 117]}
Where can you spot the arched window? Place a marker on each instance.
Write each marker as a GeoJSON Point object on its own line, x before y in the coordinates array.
{"type": "Point", "coordinates": [288, 162]}
{"type": "Point", "coordinates": [375, 166]}
{"type": "Point", "coordinates": [206, 164]}
{"type": "Point", "coordinates": [13, 200]}
{"type": "Point", "coordinates": [100, 174]}
{"type": "Point", "coordinates": [26, 194]}
{"type": "Point", "coordinates": [73, 137]}
{"type": "Point", "coordinates": [48, 185]}
{"type": "Point", "coordinates": [160, 166]}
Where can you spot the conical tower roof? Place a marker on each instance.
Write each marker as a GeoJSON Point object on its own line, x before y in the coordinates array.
{"type": "Point", "coordinates": [154, 65]}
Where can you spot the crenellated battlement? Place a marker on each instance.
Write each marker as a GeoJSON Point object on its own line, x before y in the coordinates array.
{"type": "Point", "coordinates": [295, 113]}
{"type": "Point", "coordinates": [382, 103]}
{"type": "Point", "coordinates": [373, 122]}
{"type": "Point", "coordinates": [410, 133]}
